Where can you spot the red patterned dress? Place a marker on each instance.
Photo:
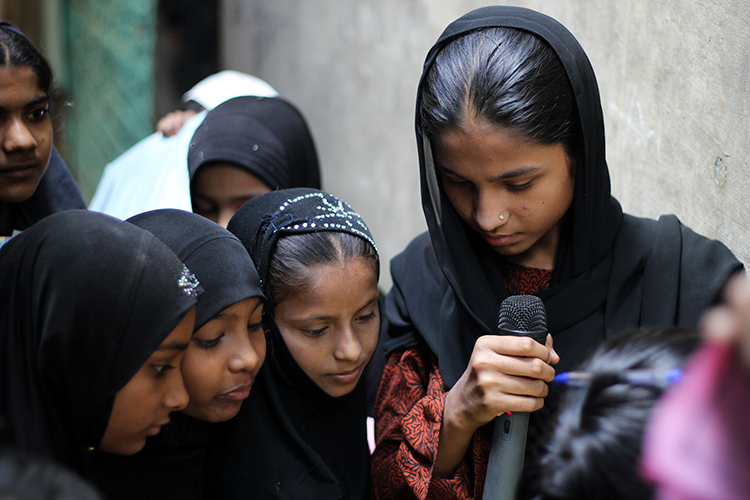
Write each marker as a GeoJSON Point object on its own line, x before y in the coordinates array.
{"type": "Point", "coordinates": [409, 412]}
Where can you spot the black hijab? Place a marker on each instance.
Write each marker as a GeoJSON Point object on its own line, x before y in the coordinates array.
{"type": "Point", "coordinates": [213, 254]}
{"type": "Point", "coordinates": [170, 466]}
{"type": "Point", "coordinates": [291, 439]}
{"type": "Point", "coordinates": [86, 299]}
{"type": "Point", "coordinates": [265, 136]}
{"type": "Point", "coordinates": [612, 271]}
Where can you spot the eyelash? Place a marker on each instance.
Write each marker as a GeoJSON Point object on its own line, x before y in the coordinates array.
{"type": "Point", "coordinates": [161, 370]}
{"type": "Point", "coordinates": [208, 344]}
{"type": "Point", "coordinates": [38, 114]}
{"type": "Point", "coordinates": [315, 333]}
{"type": "Point", "coordinates": [367, 317]}
{"type": "Point", "coordinates": [520, 187]}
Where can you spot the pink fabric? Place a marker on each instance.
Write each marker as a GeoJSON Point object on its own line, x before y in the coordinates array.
{"type": "Point", "coordinates": [697, 444]}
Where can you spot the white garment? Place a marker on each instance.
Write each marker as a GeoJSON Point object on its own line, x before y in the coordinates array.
{"type": "Point", "coordinates": [153, 174]}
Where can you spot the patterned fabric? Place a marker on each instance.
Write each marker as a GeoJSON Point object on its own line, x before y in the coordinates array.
{"type": "Point", "coordinates": [409, 413]}
{"type": "Point", "coordinates": [521, 280]}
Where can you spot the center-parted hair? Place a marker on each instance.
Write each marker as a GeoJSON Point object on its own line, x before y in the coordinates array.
{"type": "Point", "coordinates": [17, 51]}
{"type": "Point", "coordinates": [507, 77]}
{"type": "Point", "coordinates": [296, 254]}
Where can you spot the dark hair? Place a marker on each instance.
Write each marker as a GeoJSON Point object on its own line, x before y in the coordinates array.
{"type": "Point", "coordinates": [595, 445]}
{"type": "Point", "coordinates": [506, 76]}
{"type": "Point", "coordinates": [17, 51]}
{"type": "Point", "coordinates": [294, 254]}
{"type": "Point", "coordinates": [26, 478]}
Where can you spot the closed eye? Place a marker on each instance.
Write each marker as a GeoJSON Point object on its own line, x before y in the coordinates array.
{"type": "Point", "coordinates": [208, 344]}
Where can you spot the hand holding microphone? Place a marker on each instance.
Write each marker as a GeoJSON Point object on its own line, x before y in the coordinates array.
{"type": "Point", "coordinates": [520, 316]}
{"type": "Point", "coordinates": [505, 373]}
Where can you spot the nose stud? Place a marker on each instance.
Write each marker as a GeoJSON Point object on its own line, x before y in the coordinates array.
{"type": "Point", "coordinates": [502, 217]}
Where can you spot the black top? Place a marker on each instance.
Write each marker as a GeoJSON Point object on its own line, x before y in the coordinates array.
{"type": "Point", "coordinates": [57, 191]}
{"type": "Point", "coordinates": [290, 439]}
{"type": "Point", "coordinates": [265, 136]}
{"type": "Point", "coordinates": [170, 466]}
{"type": "Point", "coordinates": [612, 271]}
{"type": "Point", "coordinates": [86, 299]}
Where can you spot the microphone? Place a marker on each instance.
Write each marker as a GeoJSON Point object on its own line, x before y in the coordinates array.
{"type": "Point", "coordinates": [521, 316]}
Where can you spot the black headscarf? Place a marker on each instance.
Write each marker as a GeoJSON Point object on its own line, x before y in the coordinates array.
{"type": "Point", "coordinates": [612, 271]}
{"type": "Point", "coordinates": [265, 136]}
{"type": "Point", "coordinates": [86, 299]}
{"type": "Point", "coordinates": [291, 439]}
{"type": "Point", "coordinates": [213, 254]}
{"type": "Point", "coordinates": [170, 466]}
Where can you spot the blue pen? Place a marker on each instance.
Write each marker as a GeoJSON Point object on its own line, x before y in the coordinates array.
{"type": "Point", "coordinates": [655, 378]}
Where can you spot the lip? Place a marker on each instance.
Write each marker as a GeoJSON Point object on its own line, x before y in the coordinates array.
{"type": "Point", "coordinates": [238, 394]}
{"type": "Point", "coordinates": [155, 429]}
{"type": "Point", "coordinates": [502, 240]}
{"type": "Point", "coordinates": [346, 377]}
{"type": "Point", "coordinates": [21, 171]}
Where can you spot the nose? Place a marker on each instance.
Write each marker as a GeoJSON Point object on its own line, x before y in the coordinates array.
{"type": "Point", "coordinates": [17, 137]}
{"type": "Point", "coordinates": [488, 207]}
{"type": "Point", "coordinates": [247, 356]}
{"type": "Point", "coordinates": [176, 397]}
{"type": "Point", "coordinates": [225, 214]}
{"type": "Point", "coordinates": [348, 347]}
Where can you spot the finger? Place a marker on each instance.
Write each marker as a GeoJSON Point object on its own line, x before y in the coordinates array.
{"type": "Point", "coordinates": [553, 358]}
{"type": "Point", "coordinates": [513, 346]}
{"type": "Point", "coordinates": [720, 325]}
{"type": "Point", "coordinates": [489, 363]}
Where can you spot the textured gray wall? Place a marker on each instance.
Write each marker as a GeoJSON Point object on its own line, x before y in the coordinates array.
{"type": "Point", "coordinates": [673, 76]}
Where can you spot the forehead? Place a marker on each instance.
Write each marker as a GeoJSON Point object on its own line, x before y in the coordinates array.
{"type": "Point", "coordinates": [19, 83]}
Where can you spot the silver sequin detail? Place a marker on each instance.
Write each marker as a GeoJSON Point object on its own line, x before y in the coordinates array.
{"type": "Point", "coordinates": [188, 282]}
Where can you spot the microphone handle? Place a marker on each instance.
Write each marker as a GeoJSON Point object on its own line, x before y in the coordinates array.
{"type": "Point", "coordinates": [505, 463]}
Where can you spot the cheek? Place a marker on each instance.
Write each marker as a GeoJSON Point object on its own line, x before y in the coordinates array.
{"type": "Point", "coordinates": [198, 373]}
{"type": "Point", "coordinates": [309, 353]}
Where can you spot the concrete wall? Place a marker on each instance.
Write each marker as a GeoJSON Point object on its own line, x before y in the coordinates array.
{"type": "Point", "coordinates": [673, 75]}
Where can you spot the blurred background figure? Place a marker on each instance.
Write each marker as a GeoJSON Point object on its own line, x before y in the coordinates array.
{"type": "Point", "coordinates": [26, 478]}
{"type": "Point", "coordinates": [697, 444]}
{"type": "Point", "coordinates": [153, 174]}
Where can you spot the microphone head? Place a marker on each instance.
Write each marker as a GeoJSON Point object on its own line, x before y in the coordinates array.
{"type": "Point", "coordinates": [523, 315]}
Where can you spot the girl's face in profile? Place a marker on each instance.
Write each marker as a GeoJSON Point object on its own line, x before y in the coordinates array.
{"type": "Point", "coordinates": [25, 133]}
{"type": "Point", "coordinates": [511, 191]}
{"type": "Point", "coordinates": [331, 326]}
{"type": "Point", "coordinates": [223, 360]}
{"type": "Point", "coordinates": [143, 406]}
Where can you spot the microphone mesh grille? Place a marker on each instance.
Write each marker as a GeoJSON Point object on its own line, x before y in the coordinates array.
{"type": "Point", "coordinates": [524, 313]}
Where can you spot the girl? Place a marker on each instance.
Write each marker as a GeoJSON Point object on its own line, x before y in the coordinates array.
{"type": "Point", "coordinates": [95, 316]}
{"type": "Point", "coordinates": [220, 365]}
{"type": "Point", "coordinates": [302, 432]}
{"type": "Point", "coordinates": [516, 194]}
{"type": "Point", "coordinates": [245, 147]}
{"type": "Point", "coordinates": [34, 181]}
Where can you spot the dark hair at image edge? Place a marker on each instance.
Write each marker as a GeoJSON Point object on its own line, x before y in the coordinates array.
{"type": "Point", "coordinates": [17, 51]}
{"type": "Point", "coordinates": [594, 448]}
{"type": "Point", "coordinates": [506, 76]}
{"type": "Point", "coordinates": [295, 254]}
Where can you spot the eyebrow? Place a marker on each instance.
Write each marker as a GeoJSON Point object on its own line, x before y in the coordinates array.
{"type": "Point", "coordinates": [173, 346]}
{"type": "Point", "coordinates": [323, 318]}
{"type": "Point", "coordinates": [226, 315]}
{"type": "Point", "coordinates": [518, 172]}
{"type": "Point", "coordinates": [38, 100]}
